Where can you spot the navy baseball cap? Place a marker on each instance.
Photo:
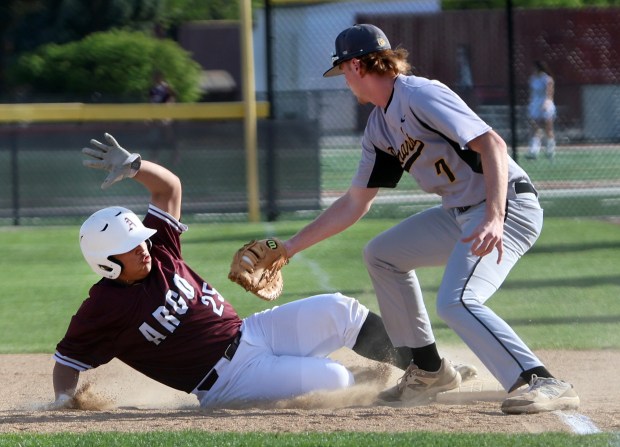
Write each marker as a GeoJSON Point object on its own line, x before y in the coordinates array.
{"type": "Point", "coordinates": [356, 41]}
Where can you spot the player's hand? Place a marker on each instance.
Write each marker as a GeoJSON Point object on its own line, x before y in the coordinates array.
{"type": "Point", "coordinates": [486, 237]}
{"type": "Point", "coordinates": [113, 158]}
{"type": "Point", "coordinates": [62, 401]}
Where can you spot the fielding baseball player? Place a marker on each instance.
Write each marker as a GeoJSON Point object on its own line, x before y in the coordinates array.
{"type": "Point", "coordinates": [489, 217]}
{"type": "Point", "coordinates": [541, 111]}
{"type": "Point", "coordinates": [159, 316]}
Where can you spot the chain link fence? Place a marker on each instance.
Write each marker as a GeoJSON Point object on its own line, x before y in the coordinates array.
{"type": "Point", "coordinates": [309, 147]}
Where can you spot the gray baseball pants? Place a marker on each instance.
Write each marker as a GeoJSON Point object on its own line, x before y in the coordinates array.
{"type": "Point", "coordinates": [433, 238]}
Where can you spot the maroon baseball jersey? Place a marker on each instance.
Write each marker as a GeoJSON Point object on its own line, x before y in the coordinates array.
{"type": "Point", "coordinates": [173, 326]}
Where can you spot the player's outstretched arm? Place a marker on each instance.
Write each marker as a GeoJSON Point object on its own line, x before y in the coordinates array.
{"type": "Point", "coordinates": [340, 215]}
{"type": "Point", "coordinates": [164, 186]}
{"type": "Point", "coordinates": [65, 380]}
{"type": "Point", "coordinates": [113, 158]}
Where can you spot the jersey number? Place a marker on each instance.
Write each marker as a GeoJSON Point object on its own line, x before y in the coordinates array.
{"type": "Point", "coordinates": [175, 305]}
{"type": "Point", "coordinates": [209, 297]}
{"type": "Point", "coordinates": [442, 167]}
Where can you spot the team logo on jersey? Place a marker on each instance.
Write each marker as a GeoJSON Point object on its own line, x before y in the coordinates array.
{"type": "Point", "coordinates": [130, 223]}
{"type": "Point", "coordinates": [409, 151]}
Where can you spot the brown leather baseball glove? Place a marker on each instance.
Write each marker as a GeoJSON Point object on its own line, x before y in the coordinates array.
{"type": "Point", "coordinates": [257, 268]}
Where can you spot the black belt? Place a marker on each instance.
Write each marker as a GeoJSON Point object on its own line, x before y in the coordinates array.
{"type": "Point", "coordinates": [212, 376]}
{"type": "Point", "coordinates": [520, 188]}
{"type": "Point", "coordinates": [462, 209]}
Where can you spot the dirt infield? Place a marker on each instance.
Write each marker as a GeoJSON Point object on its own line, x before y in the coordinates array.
{"type": "Point", "coordinates": [116, 398]}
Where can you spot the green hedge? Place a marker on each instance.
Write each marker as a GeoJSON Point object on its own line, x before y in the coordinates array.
{"type": "Point", "coordinates": [114, 63]}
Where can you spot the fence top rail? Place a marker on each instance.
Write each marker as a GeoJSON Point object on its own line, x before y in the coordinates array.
{"type": "Point", "coordinates": [57, 112]}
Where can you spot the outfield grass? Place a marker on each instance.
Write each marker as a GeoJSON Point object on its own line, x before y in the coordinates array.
{"type": "Point", "coordinates": [571, 164]}
{"type": "Point", "coordinates": [581, 181]}
{"type": "Point", "coordinates": [563, 294]}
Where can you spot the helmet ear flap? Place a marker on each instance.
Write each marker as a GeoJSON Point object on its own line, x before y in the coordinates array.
{"type": "Point", "coordinates": [117, 266]}
{"type": "Point", "coordinates": [110, 268]}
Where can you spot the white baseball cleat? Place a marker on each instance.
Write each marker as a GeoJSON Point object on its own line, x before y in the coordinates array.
{"type": "Point", "coordinates": [543, 394]}
{"type": "Point", "coordinates": [418, 387]}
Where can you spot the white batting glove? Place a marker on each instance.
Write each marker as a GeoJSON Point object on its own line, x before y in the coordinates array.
{"type": "Point", "coordinates": [112, 158]}
{"type": "Point", "coordinates": [63, 401]}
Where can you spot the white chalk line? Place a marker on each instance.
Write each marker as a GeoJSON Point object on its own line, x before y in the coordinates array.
{"type": "Point", "coordinates": [317, 271]}
{"type": "Point", "coordinates": [578, 423]}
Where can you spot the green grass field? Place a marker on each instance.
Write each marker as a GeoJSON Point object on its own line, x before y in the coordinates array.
{"type": "Point", "coordinates": [572, 164]}
{"type": "Point", "coordinates": [566, 281]}
{"type": "Point", "coordinates": [202, 439]}
{"type": "Point", "coordinates": [581, 181]}
{"type": "Point", "coordinates": [562, 295]}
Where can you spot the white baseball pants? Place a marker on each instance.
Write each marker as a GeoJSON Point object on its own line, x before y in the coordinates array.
{"type": "Point", "coordinates": [283, 352]}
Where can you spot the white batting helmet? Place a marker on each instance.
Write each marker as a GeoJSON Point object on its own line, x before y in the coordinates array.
{"type": "Point", "coordinates": [111, 231]}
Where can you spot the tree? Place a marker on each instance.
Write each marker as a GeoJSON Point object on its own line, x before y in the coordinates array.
{"type": "Point", "coordinates": [59, 21]}
{"type": "Point", "coordinates": [116, 64]}
{"type": "Point", "coordinates": [27, 24]}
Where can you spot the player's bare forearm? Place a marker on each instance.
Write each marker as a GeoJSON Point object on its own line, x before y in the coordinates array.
{"type": "Point", "coordinates": [494, 156]}
{"type": "Point", "coordinates": [332, 221]}
{"type": "Point", "coordinates": [65, 380]}
{"type": "Point", "coordinates": [164, 186]}
{"type": "Point", "coordinates": [341, 214]}
{"type": "Point", "coordinates": [489, 234]}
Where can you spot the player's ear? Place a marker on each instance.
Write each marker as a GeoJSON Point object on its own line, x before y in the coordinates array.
{"type": "Point", "coordinates": [358, 66]}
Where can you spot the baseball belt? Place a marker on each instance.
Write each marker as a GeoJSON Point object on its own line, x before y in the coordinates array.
{"type": "Point", "coordinates": [210, 379]}
{"type": "Point", "coordinates": [520, 188]}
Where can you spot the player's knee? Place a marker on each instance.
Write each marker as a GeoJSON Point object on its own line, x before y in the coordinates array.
{"type": "Point", "coordinates": [381, 253]}
{"type": "Point", "coordinates": [353, 312]}
{"type": "Point", "coordinates": [368, 253]}
{"type": "Point", "coordinates": [374, 254]}
{"type": "Point", "coordinates": [448, 310]}
{"type": "Point", "coordinates": [342, 306]}
{"type": "Point", "coordinates": [455, 307]}
{"type": "Point", "coordinates": [336, 377]}
{"type": "Point", "coordinates": [343, 314]}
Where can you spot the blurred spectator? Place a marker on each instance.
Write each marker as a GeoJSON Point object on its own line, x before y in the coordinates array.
{"type": "Point", "coordinates": [465, 80]}
{"type": "Point", "coordinates": [541, 111]}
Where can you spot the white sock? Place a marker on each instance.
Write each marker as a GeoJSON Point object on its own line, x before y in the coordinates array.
{"type": "Point", "coordinates": [550, 147]}
{"type": "Point", "coordinates": [534, 146]}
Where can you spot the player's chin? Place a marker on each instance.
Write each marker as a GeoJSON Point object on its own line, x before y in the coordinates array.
{"type": "Point", "coordinates": [145, 269]}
